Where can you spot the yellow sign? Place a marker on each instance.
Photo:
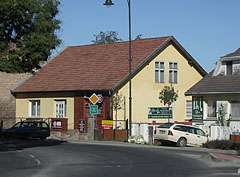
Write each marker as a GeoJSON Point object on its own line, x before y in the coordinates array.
{"type": "Point", "coordinates": [94, 98]}
{"type": "Point", "coordinates": [107, 122]}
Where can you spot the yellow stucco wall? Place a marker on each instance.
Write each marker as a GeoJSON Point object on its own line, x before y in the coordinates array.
{"type": "Point", "coordinates": [47, 108]}
{"type": "Point", "coordinates": [145, 91]}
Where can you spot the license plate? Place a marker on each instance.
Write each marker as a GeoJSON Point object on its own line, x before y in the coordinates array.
{"type": "Point", "coordinates": [162, 131]}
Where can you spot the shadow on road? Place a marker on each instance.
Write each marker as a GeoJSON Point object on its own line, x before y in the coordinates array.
{"type": "Point", "coordinates": [16, 144]}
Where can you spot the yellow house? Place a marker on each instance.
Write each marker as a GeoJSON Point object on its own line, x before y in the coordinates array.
{"type": "Point", "coordinates": [63, 88]}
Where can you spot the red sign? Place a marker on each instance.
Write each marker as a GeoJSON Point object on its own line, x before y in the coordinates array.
{"type": "Point", "coordinates": [108, 127]}
{"type": "Point", "coordinates": [107, 124]}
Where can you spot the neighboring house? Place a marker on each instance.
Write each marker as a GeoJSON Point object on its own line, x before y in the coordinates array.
{"type": "Point", "coordinates": [7, 101]}
{"type": "Point", "coordinates": [219, 89]}
{"type": "Point", "coordinates": [61, 89]}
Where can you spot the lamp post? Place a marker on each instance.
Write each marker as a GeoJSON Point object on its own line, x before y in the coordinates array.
{"type": "Point", "coordinates": [110, 3]}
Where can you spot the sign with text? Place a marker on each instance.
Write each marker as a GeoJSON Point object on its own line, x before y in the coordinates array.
{"type": "Point", "coordinates": [159, 113]}
{"type": "Point", "coordinates": [107, 124]}
{"type": "Point", "coordinates": [94, 109]}
{"type": "Point", "coordinates": [56, 124]}
{"type": "Point", "coordinates": [197, 109]}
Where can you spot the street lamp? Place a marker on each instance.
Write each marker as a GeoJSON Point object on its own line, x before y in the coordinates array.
{"type": "Point", "coordinates": [110, 3]}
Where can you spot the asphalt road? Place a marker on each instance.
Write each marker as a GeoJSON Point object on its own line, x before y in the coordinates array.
{"type": "Point", "coordinates": [84, 159]}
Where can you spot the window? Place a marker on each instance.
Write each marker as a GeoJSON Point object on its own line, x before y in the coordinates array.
{"type": "Point", "coordinates": [191, 130]}
{"type": "Point", "coordinates": [60, 108]}
{"type": "Point", "coordinates": [180, 128]}
{"type": "Point", "coordinates": [212, 107]}
{"type": "Point", "coordinates": [159, 72]}
{"type": "Point", "coordinates": [35, 108]}
{"type": "Point", "coordinates": [188, 109]}
{"type": "Point", "coordinates": [18, 125]}
{"type": "Point", "coordinates": [235, 110]}
{"type": "Point", "coordinates": [200, 132]}
{"type": "Point", "coordinates": [229, 67]}
{"type": "Point", "coordinates": [173, 72]}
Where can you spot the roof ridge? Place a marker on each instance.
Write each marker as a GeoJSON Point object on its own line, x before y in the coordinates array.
{"type": "Point", "coordinates": [121, 41]}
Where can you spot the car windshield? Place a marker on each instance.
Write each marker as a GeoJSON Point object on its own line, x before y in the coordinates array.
{"type": "Point", "coordinates": [166, 125]}
{"type": "Point", "coordinates": [17, 125]}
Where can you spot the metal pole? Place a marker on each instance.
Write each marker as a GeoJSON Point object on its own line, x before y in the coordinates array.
{"type": "Point", "coordinates": [130, 71]}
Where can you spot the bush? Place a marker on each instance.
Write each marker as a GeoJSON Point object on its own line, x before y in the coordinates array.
{"type": "Point", "coordinates": [222, 144]}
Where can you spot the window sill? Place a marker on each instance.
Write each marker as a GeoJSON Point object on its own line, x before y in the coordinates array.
{"type": "Point", "coordinates": [210, 119]}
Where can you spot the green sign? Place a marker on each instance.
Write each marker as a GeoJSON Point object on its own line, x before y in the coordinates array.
{"type": "Point", "coordinates": [94, 109]}
{"type": "Point", "coordinates": [159, 113]}
{"type": "Point", "coordinates": [197, 109]}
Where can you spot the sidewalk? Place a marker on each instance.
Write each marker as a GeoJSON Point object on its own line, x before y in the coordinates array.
{"type": "Point", "coordinates": [224, 157]}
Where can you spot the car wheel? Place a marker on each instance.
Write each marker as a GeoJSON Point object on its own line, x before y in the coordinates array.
{"type": "Point", "coordinates": [182, 142]}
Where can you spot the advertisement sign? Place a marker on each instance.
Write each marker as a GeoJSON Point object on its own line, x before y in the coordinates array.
{"type": "Point", "coordinates": [159, 113]}
{"type": "Point", "coordinates": [107, 124]}
{"type": "Point", "coordinates": [197, 109]}
{"type": "Point", "coordinates": [57, 124]}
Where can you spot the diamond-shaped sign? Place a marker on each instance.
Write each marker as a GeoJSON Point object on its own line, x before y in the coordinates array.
{"type": "Point", "coordinates": [94, 98]}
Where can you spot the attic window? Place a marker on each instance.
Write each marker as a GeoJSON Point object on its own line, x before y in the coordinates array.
{"type": "Point", "coordinates": [159, 72]}
{"type": "Point", "coordinates": [229, 67]}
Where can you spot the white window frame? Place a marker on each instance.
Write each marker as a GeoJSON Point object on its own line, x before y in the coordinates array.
{"type": "Point", "coordinates": [60, 108]}
{"type": "Point", "coordinates": [172, 71]}
{"type": "Point", "coordinates": [188, 109]}
{"type": "Point", "coordinates": [238, 105]}
{"type": "Point", "coordinates": [212, 109]}
{"type": "Point", "coordinates": [36, 112]}
{"type": "Point", "coordinates": [159, 71]}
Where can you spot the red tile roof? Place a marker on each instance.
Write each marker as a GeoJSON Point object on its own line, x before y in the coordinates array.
{"type": "Point", "coordinates": [91, 67]}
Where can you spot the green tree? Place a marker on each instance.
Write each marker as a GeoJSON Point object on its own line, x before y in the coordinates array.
{"type": "Point", "coordinates": [167, 96]}
{"type": "Point", "coordinates": [106, 38]}
{"type": "Point", "coordinates": [27, 33]}
{"type": "Point", "coordinates": [138, 37]}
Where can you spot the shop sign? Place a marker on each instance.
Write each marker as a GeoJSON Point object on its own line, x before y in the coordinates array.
{"type": "Point", "coordinates": [197, 109]}
{"type": "Point", "coordinates": [159, 113]}
{"type": "Point", "coordinates": [107, 124]}
{"type": "Point", "coordinates": [56, 124]}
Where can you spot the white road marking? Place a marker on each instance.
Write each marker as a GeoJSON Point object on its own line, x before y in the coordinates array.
{"type": "Point", "coordinates": [38, 161]}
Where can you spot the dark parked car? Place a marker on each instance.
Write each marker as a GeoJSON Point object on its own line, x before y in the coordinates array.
{"type": "Point", "coordinates": [28, 129]}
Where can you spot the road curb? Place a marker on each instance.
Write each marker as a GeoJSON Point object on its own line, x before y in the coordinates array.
{"type": "Point", "coordinates": [217, 157]}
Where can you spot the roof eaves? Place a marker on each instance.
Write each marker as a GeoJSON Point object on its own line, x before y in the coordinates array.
{"type": "Point", "coordinates": [21, 82]}
{"type": "Point", "coordinates": [233, 58]}
{"type": "Point", "coordinates": [209, 93]}
{"type": "Point", "coordinates": [189, 58]}
{"type": "Point", "coordinates": [61, 91]}
{"type": "Point", "coordinates": [30, 75]}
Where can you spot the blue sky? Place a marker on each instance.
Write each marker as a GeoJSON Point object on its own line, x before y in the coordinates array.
{"type": "Point", "coordinates": [207, 29]}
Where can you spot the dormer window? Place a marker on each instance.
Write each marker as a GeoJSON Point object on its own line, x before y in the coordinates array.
{"type": "Point", "coordinates": [229, 67]}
